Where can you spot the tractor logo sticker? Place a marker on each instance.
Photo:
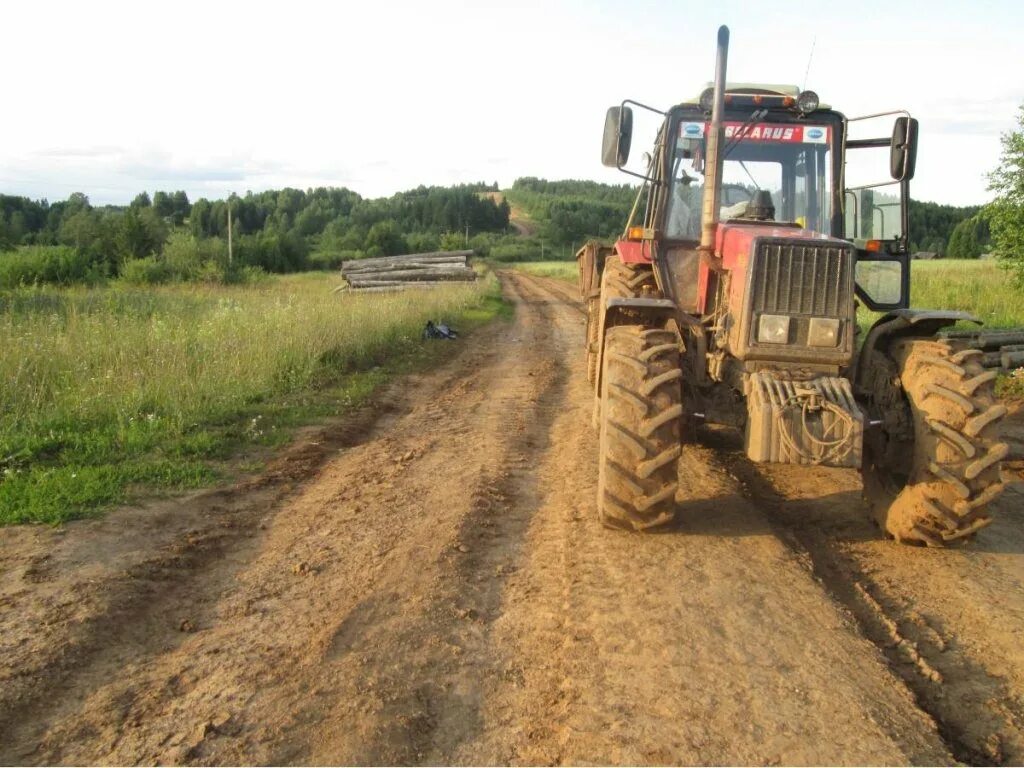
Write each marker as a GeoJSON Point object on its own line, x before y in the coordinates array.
{"type": "Point", "coordinates": [814, 134]}
{"type": "Point", "coordinates": [764, 132]}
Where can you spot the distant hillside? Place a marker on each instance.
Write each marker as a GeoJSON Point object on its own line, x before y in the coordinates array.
{"type": "Point", "coordinates": [570, 211]}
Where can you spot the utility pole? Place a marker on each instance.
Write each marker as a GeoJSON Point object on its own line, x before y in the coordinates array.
{"type": "Point", "coordinates": [229, 230]}
{"type": "Point", "coordinates": [467, 235]}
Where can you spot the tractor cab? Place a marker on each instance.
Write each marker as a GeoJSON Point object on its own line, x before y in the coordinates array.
{"type": "Point", "coordinates": [784, 161]}
{"type": "Point", "coordinates": [778, 166]}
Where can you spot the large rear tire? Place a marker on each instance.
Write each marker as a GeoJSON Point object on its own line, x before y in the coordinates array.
{"type": "Point", "coordinates": [593, 329]}
{"type": "Point", "coordinates": [640, 427]}
{"type": "Point", "coordinates": [933, 484]}
{"type": "Point", "coordinates": [627, 280]}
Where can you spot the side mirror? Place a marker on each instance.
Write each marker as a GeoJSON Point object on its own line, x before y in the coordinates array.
{"type": "Point", "coordinates": [903, 149]}
{"type": "Point", "coordinates": [618, 133]}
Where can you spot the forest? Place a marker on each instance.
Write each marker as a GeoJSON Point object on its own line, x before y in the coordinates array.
{"type": "Point", "coordinates": [168, 238]}
{"type": "Point", "coordinates": [570, 211]}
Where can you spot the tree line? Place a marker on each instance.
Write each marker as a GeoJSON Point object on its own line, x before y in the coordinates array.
{"type": "Point", "coordinates": [274, 231]}
{"type": "Point", "coordinates": [572, 211]}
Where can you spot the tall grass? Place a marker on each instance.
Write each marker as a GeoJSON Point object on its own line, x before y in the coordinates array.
{"type": "Point", "coordinates": [980, 287]}
{"type": "Point", "coordinates": [100, 388]}
{"type": "Point", "coordinates": [561, 270]}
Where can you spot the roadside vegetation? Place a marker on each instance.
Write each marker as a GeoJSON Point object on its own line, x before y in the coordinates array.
{"type": "Point", "coordinates": [104, 389]}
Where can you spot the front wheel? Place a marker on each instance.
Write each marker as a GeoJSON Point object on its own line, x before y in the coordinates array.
{"type": "Point", "coordinates": [640, 416]}
{"type": "Point", "coordinates": [931, 479]}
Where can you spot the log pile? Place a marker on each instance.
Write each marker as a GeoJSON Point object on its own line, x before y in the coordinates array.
{"type": "Point", "coordinates": [412, 270]}
{"type": "Point", "coordinates": [1001, 349]}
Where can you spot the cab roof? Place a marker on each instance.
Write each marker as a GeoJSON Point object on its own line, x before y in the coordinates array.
{"type": "Point", "coordinates": [753, 89]}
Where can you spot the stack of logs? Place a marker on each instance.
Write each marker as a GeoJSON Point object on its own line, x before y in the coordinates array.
{"type": "Point", "coordinates": [1002, 349]}
{"type": "Point", "coordinates": [412, 270]}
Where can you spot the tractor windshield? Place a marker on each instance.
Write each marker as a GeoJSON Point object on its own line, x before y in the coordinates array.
{"type": "Point", "coordinates": [791, 162]}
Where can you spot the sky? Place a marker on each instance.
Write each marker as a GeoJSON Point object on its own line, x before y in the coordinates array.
{"type": "Point", "coordinates": [218, 97]}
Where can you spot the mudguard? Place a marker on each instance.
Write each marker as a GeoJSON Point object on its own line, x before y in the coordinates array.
{"type": "Point", "coordinates": [905, 322]}
{"type": "Point", "coordinates": [644, 309]}
{"type": "Point", "coordinates": [634, 251]}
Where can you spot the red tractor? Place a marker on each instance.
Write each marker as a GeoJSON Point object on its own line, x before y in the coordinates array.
{"type": "Point", "coordinates": [732, 297]}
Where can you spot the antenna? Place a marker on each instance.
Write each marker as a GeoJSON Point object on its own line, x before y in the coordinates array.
{"type": "Point", "coordinates": [810, 58]}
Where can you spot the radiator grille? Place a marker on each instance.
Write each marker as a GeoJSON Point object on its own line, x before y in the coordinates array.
{"type": "Point", "coordinates": [796, 278]}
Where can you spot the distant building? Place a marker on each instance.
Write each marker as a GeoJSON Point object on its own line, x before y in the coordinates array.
{"type": "Point", "coordinates": [926, 255]}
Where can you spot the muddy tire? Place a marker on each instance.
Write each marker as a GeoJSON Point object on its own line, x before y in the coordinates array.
{"type": "Point", "coordinates": [640, 427]}
{"type": "Point", "coordinates": [627, 280]}
{"type": "Point", "coordinates": [934, 487]}
{"type": "Point", "coordinates": [617, 281]}
{"type": "Point", "coordinates": [593, 320]}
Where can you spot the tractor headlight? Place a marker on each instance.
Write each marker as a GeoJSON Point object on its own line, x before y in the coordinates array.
{"type": "Point", "coordinates": [807, 101]}
{"type": "Point", "coordinates": [707, 99]}
{"type": "Point", "coordinates": [823, 332]}
{"type": "Point", "coordinates": [773, 329]}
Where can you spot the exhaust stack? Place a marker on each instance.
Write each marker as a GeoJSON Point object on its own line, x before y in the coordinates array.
{"type": "Point", "coordinates": [713, 158]}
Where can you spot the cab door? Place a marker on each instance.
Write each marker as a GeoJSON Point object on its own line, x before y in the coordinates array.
{"type": "Point", "coordinates": [876, 174]}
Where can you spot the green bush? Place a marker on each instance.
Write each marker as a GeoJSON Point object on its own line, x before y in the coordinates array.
{"type": "Point", "coordinates": [150, 270]}
{"type": "Point", "coordinates": [325, 259]}
{"type": "Point", "coordinates": [422, 242]}
{"type": "Point", "coordinates": [273, 252]}
{"type": "Point", "coordinates": [38, 264]}
{"type": "Point", "coordinates": [523, 250]}
{"type": "Point", "coordinates": [190, 259]}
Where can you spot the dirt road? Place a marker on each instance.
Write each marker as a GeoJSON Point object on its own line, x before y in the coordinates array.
{"type": "Point", "coordinates": [431, 586]}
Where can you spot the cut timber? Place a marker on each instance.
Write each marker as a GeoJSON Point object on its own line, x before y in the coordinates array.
{"type": "Point", "coordinates": [1009, 360]}
{"type": "Point", "coordinates": [387, 283]}
{"type": "Point", "coordinates": [389, 287]}
{"type": "Point", "coordinates": [387, 272]}
{"type": "Point", "coordinates": [357, 268]}
{"type": "Point", "coordinates": [408, 257]}
{"type": "Point", "coordinates": [986, 339]}
{"type": "Point", "coordinates": [460, 273]}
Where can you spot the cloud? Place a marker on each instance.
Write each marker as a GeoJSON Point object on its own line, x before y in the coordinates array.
{"type": "Point", "coordinates": [112, 174]}
{"type": "Point", "coordinates": [989, 116]}
{"type": "Point", "coordinates": [66, 152]}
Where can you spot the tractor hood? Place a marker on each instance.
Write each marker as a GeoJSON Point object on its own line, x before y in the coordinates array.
{"type": "Point", "coordinates": [733, 239]}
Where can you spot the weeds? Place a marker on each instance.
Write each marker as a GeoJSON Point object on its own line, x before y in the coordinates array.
{"type": "Point", "coordinates": [103, 389]}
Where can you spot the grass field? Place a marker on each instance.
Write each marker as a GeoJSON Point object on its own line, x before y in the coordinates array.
{"type": "Point", "coordinates": [981, 287]}
{"type": "Point", "coordinates": [103, 389]}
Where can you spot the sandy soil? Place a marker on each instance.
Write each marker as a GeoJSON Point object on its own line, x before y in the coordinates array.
{"type": "Point", "coordinates": [428, 584]}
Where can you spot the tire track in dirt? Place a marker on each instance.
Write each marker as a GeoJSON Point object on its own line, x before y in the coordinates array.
{"type": "Point", "coordinates": [666, 648]}
{"type": "Point", "coordinates": [437, 697]}
{"type": "Point", "coordinates": [415, 506]}
{"type": "Point", "coordinates": [941, 617]}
